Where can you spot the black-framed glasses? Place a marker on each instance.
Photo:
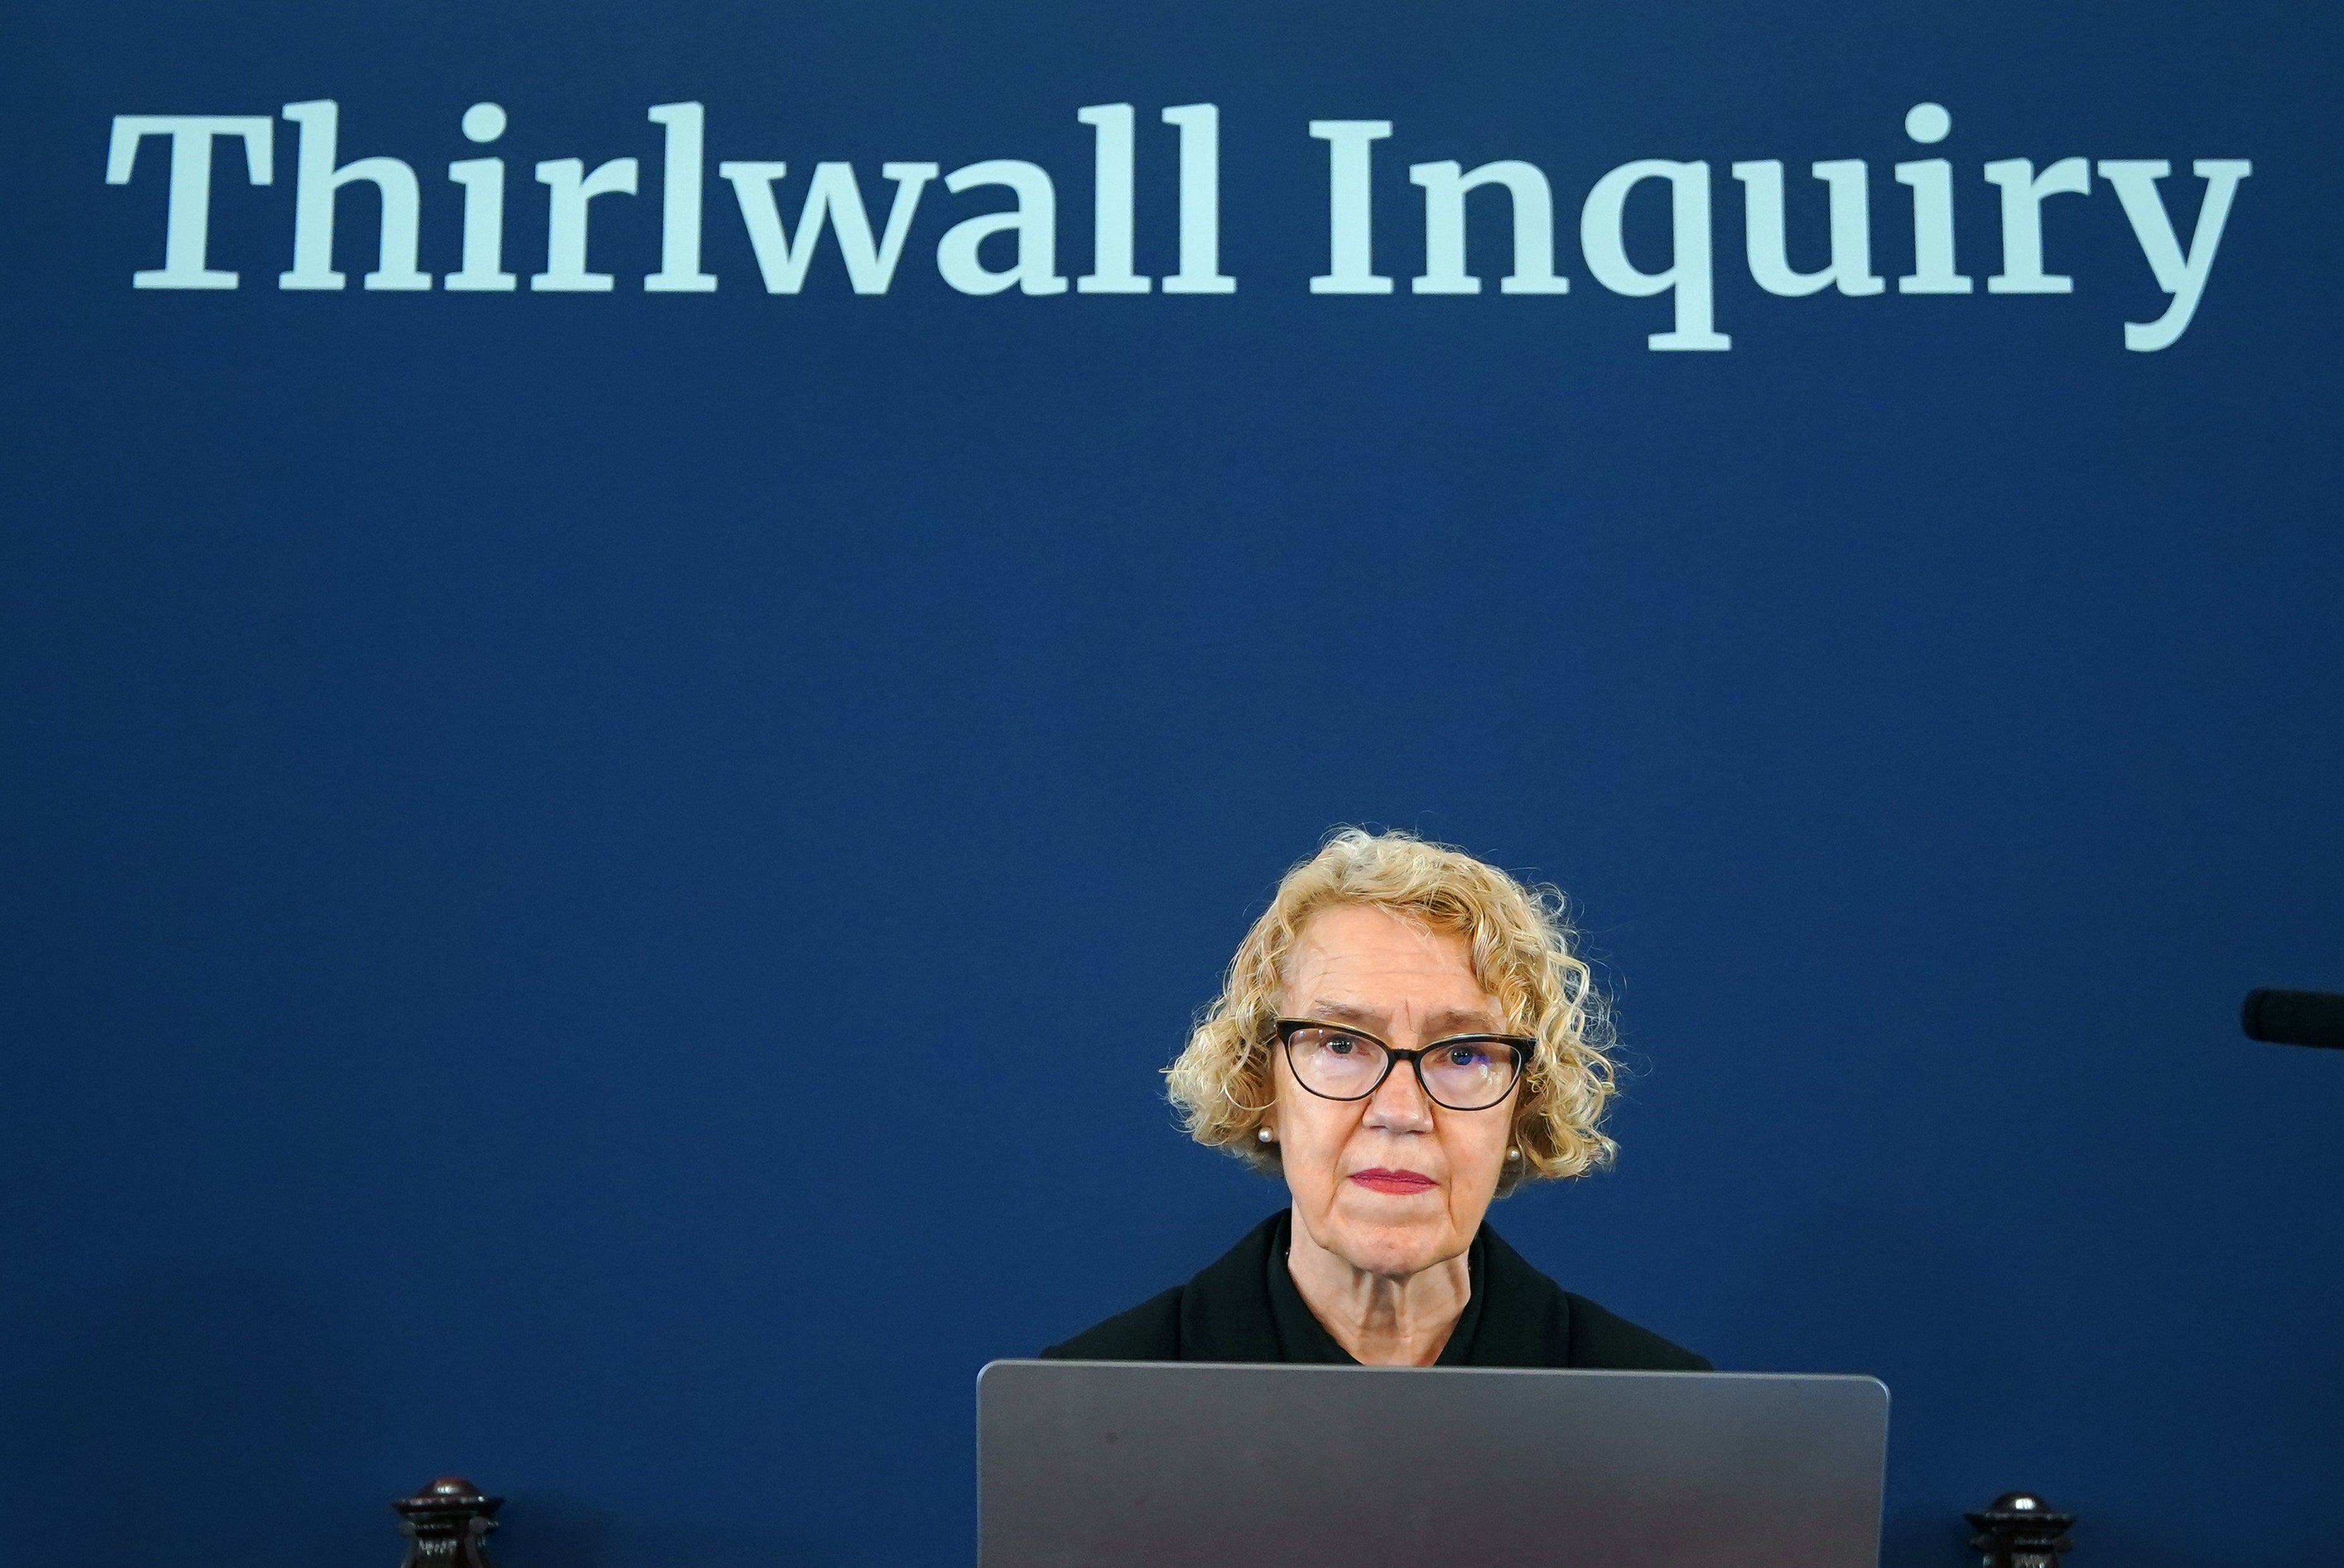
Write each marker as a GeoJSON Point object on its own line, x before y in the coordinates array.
{"type": "Point", "coordinates": [1463, 1072]}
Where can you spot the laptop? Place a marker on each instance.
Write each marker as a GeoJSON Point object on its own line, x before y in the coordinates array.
{"type": "Point", "coordinates": [1147, 1464]}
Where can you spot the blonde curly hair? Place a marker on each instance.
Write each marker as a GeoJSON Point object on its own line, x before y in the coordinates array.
{"type": "Point", "coordinates": [1521, 949]}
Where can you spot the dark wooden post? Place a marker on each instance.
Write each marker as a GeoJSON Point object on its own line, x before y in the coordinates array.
{"type": "Point", "coordinates": [2020, 1531]}
{"type": "Point", "coordinates": [447, 1524]}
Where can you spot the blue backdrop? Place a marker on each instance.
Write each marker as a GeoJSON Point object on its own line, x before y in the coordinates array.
{"type": "Point", "coordinates": [479, 768]}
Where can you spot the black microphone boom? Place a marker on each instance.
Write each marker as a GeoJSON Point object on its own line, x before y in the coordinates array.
{"type": "Point", "coordinates": [2295, 1017]}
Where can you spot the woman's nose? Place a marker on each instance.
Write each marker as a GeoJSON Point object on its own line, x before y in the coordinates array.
{"type": "Point", "coordinates": [1398, 1104]}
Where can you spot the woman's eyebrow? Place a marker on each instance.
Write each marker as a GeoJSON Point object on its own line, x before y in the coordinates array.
{"type": "Point", "coordinates": [1468, 1020]}
{"type": "Point", "coordinates": [1448, 1021]}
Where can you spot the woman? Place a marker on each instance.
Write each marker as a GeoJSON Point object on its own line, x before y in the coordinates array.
{"type": "Point", "coordinates": [1404, 1035]}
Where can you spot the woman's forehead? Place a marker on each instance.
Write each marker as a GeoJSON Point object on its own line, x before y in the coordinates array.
{"type": "Point", "coordinates": [1366, 958]}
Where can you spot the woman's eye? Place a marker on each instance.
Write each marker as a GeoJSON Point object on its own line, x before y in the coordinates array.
{"type": "Point", "coordinates": [1465, 1056]}
{"type": "Point", "coordinates": [1342, 1046]}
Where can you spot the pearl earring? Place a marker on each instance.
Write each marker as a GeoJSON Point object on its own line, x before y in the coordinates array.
{"type": "Point", "coordinates": [1513, 1154]}
{"type": "Point", "coordinates": [1266, 1136]}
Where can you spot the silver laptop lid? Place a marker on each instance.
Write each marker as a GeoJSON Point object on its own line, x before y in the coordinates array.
{"type": "Point", "coordinates": [1127, 1464]}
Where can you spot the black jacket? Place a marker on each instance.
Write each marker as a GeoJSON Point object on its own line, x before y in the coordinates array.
{"type": "Point", "coordinates": [1245, 1308]}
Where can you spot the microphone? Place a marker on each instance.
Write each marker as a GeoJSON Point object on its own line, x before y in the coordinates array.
{"type": "Point", "coordinates": [2295, 1017]}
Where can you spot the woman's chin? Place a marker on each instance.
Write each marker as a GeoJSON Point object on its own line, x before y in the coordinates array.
{"type": "Point", "coordinates": [1395, 1245]}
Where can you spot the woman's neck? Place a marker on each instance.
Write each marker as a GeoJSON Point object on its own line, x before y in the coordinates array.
{"type": "Point", "coordinates": [1381, 1319]}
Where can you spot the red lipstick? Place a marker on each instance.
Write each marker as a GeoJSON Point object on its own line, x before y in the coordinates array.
{"type": "Point", "coordinates": [1400, 1182]}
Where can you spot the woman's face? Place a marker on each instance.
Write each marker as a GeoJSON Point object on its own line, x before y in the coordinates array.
{"type": "Point", "coordinates": [1392, 1184]}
